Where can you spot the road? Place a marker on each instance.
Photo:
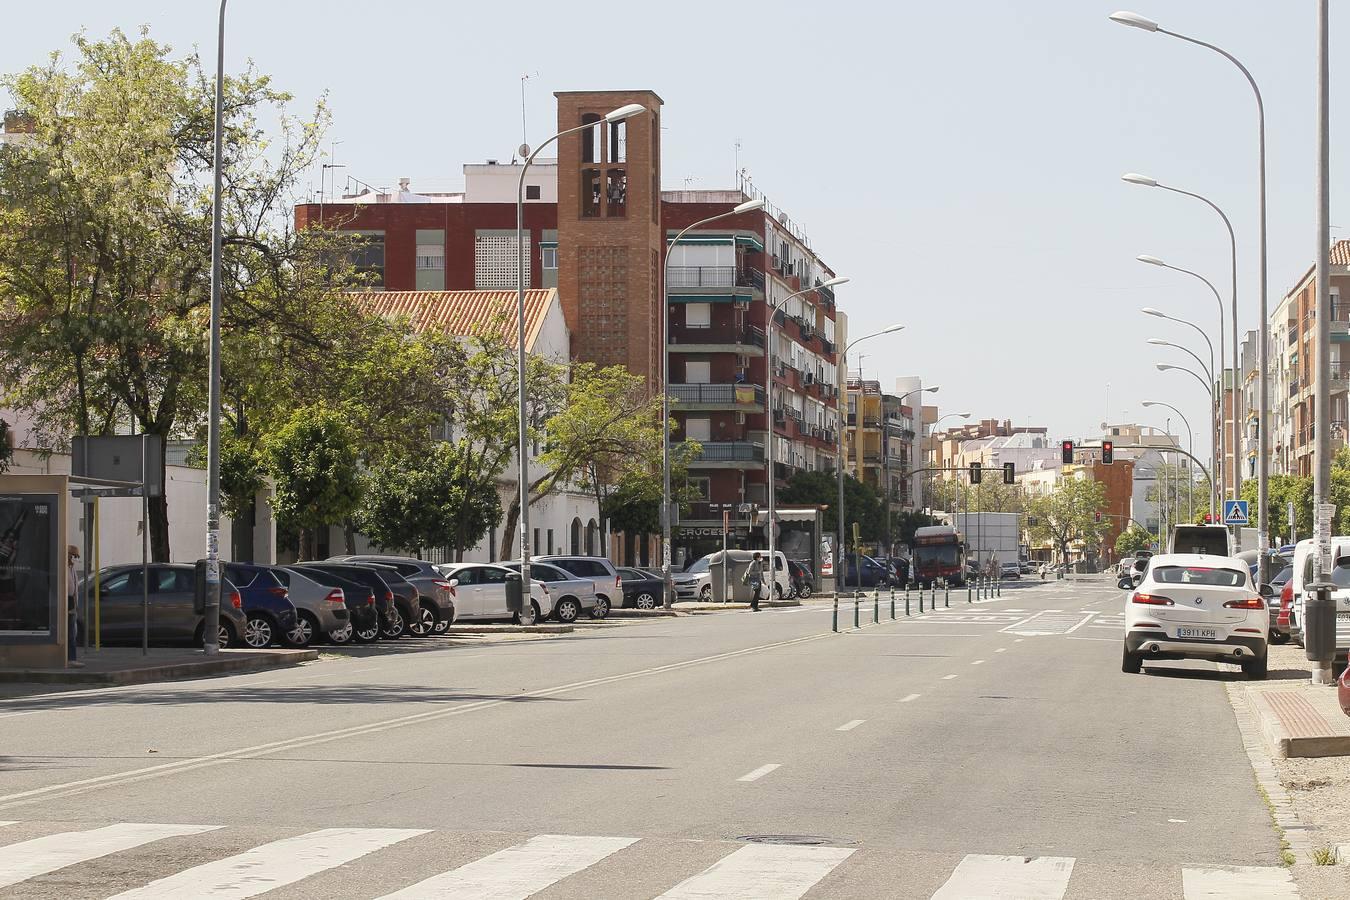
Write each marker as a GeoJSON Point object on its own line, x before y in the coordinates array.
{"type": "Point", "coordinates": [990, 749]}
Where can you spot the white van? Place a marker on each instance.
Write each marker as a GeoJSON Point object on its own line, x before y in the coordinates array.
{"type": "Point", "coordinates": [1340, 575]}
{"type": "Point", "coordinates": [1211, 540]}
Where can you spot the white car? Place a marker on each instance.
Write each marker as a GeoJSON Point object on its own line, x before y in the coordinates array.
{"type": "Point", "coordinates": [481, 591]}
{"type": "Point", "coordinates": [1195, 606]}
{"type": "Point", "coordinates": [1339, 574]}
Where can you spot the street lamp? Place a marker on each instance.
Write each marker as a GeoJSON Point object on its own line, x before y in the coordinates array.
{"type": "Point", "coordinates": [1215, 414]}
{"type": "Point", "coordinates": [1190, 437]}
{"type": "Point", "coordinates": [1236, 437]}
{"type": "Point", "coordinates": [1159, 342]}
{"type": "Point", "coordinates": [747, 206]}
{"type": "Point", "coordinates": [841, 567]}
{"type": "Point", "coordinates": [886, 456]}
{"type": "Point", "coordinates": [932, 430]}
{"type": "Point", "coordinates": [771, 311]}
{"type": "Point", "coordinates": [1164, 367]}
{"type": "Point", "coordinates": [1134, 20]}
{"type": "Point", "coordinates": [522, 450]}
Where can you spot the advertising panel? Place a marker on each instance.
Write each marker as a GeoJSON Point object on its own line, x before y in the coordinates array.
{"type": "Point", "coordinates": [29, 568]}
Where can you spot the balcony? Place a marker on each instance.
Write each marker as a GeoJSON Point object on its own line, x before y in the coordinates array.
{"type": "Point", "coordinates": [729, 455]}
{"type": "Point", "coordinates": [713, 283]}
{"type": "Point", "coordinates": [746, 341]}
{"type": "Point", "coordinates": [741, 397]}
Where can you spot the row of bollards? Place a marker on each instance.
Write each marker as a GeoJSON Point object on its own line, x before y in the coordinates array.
{"type": "Point", "coordinates": [979, 588]}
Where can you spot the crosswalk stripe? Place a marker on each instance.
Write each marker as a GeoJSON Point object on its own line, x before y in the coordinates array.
{"type": "Point", "coordinates": [516, 872]}
{"type": "Point", "coordinates": [1238, 883]}
{"type": "Point", "coordinates": [270, 866]}
{"type": "Point", "coordinates": [28, 859]}
{"type": "Point", "coordinates": [1022, 877]}
{"type": "Point", "coordinates": [761, 872]}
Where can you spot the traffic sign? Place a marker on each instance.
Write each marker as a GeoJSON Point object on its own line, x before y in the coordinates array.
{"type": "Point", "coordinates": [1235, 512]}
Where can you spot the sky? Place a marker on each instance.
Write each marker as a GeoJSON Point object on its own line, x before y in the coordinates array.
{"type": "Point", "coordinates": [960, 162]}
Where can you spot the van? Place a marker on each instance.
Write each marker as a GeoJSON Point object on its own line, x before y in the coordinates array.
{"type": "Point", "coordinates": [1211, 540]}
{"type": "Point", "coordinates": [1340, 575]}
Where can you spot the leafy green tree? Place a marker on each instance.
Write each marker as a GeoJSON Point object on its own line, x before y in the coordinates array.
{"type": "Point", "coordinates": [313, 460]}
{"type": "Point", "coordinates": [862, 504]}
{"type": "Point", "coordinates": [1068, 515]}
{"type": "Point", "coordinates": [1282, 490]}
{"type": "Point", "coordinates": [6, 451]}
{"type": "Point", "coordinates": [1132, 540]}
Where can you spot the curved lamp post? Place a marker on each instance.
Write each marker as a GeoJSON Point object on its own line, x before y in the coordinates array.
{"type": "Point", "coordinates": [1190, 437]}
{"type": "Point", "coordinates": [1215, 413]}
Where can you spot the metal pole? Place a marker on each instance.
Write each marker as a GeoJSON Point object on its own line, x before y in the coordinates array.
{"type": "Point", "coordinates": [522, 391]}
{"type": "Point", "coordinates": [98, 598]}
{"type": "Point", "coordinates": [210, 627]}
{"type": "Point", "coordinates": [1322, 355]}
{"type": "Point", "coordinates": [145, 562]}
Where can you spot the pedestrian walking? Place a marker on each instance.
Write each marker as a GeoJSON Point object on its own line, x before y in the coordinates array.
{"type": "Point", "coordinates": [72, 629]}
{"type": "Point", "coordinates": [754, 577]}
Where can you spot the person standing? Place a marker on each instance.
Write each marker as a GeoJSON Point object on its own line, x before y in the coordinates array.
{"type": "Point", "coordinates": [72, 629]}
{"type": "Point", "coordinates": [754, 576]}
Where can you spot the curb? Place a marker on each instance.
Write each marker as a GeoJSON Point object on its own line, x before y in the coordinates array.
{"type": "Point", "coordinates": [642, 613]}
{"type": "Point", "coordinates": [1284, 745]}
{"type": "Point", "coordinates": [269, 659]}
{"type": "Point", "coordinates": [1343, 854]}
{"type": "Point", "coordinates": [1298, 834]}
{"type": "Point", "coordinates": [509, 629]}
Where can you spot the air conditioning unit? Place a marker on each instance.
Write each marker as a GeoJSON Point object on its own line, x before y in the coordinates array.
{"type": "Point", "coordinates": [810, 379]}
{"type": "Point", "coordinates": [740, 418]}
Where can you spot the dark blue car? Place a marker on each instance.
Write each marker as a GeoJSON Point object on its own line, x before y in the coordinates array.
{"type": "Point", "coordinates": [268, 612]}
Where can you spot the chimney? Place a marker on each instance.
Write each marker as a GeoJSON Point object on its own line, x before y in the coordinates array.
{"type": "Point", "coordinates": [403, 185]}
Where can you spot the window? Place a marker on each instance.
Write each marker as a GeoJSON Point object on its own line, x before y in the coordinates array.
{"type": "Point", "coordinates": [590, 193]}
{"type": "Point", "coordinates": [698, 315]}
{"type": "Point", "coordinates": [698, 429]}
{"type": "Point", "coordinates": [616, 193]}
{"type": "Point", "coordinates": [536, 542]}
{"type": "Point", "coordinates": [550, 544]}
{"type": "Point", "coordinates": [697, 371]}
{"type": "Point", "coordinates": [531, 192]}
{"type": "Point", "coordinates": [430, 266]}
{"type": "Point", "coordinates": [466, 576]}
{"type": "Point", "coordinates": [591, 138]}
{"type": "Point", "coordinates": [702, 487]}
{"type": "Point", "coordinates": [618, 142]}
{"type": "Point", "coordinates": [494, 260]}
{"type": "Point", "coordinates": [548, 256]}
{"type": "Point", "coordinates": [491, 575]}
{"type": "Point", "coordinates": [367, 258]}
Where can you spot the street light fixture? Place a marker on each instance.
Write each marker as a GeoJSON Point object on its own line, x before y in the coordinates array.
{"type": "Point", "coordinates": [770, 526]}
{"type": "Point", "coordinates": [1190, 437]}
{"type": "Point", "coordinates": [747, 206]}
{"type": "Point", "coordinates": [1135, 20]}
{"type": "Point", "coordinates": [1159, 342]}
{"type": "Point", "coordinates": [526, 612]}
{"type": "Point", "coordinates": [841, 567]}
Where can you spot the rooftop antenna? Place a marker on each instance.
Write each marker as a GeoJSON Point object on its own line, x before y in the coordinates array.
{"type": "Point", "coordinates": [524, 132]}
{"type": "Point", "coordinates": [737, 174]}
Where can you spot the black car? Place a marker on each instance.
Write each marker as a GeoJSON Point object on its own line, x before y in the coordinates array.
{"type": "Point", "coordinates": [803, 582]}
{"type": "Point", "coordinates": [874, 574]}
{"type": "Point", "coordinates": [392, 619]}
{"type": "Point", "coordinates": [360, 601]}
{"type": "Point", "coordinates": [641, 589]}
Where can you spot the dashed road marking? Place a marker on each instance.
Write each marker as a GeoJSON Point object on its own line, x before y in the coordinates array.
{"type": "Point", "coordinates": [849, 726]}
{"type": "Point", "coordinates": [978, 662]}
{"type": "Point", "coordinates": [908, 698]}
{"type": "Point", "coordinates": [760, 772]}
{"type": "Point", "coordinates": [948, 677]}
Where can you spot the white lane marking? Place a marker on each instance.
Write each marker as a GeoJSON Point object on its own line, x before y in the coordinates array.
{"type": "Point", "coordinates": [28, 859]}
{"type": "Point", "coordinates": [849, 726]}
{"type": "Point", "coordinates": [978, 662]}
{"type": "Point", "coordinates": [31, 712]}
{"type": "Point", "coordinates": [270, 866]}
{"type": "Point", "coordinates": [1114, 640]}
{"type": "Point", "coordinates": [1086, 619]}
{"type": "Point", "coordinates": [1017, 640]}
{"type": "Point", "coordinates": [71, 788]}
{"type": "Point", "coordinates": [516, 872]}
{"type": "Point", "coordinates": [1177, 821]}
{"type": "Point", "coordinates": [760, 772]}
{"type": "Point", "coordinates": [909, 697]}
{"type": "Point", "coordinates": [762, 871]}
{"type": "Point", "coordinates": [1023, 877]}
{"type": "Point", "coordinates": [1238, 883]}
{"type": "Point", "coordinates": [902, 634]}
{"type": "Point", "coordinates": [948, 677]}
{"type": "Point", "coordinates": [1001, 650]}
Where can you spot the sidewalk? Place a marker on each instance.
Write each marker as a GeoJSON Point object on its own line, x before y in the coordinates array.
{"type": "Point", "coordinates": [127, 665]}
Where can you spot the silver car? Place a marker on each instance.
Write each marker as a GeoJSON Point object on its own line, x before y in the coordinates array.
{"type": "Point", "coordinates": [571, 595]}
{"type": "Point", "coordinates": [437, 597]}
{"type": "Point", "coordinates": [320, 610]}
{"type": "Point", "coordinates": [596, 569]}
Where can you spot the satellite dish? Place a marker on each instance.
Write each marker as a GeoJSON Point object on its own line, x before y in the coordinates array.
{"type": "Point", "coordinates": [524, 151]}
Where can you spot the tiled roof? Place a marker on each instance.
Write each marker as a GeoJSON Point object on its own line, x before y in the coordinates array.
{"type": "Point", "coordinates": [465, 313]}
{"type": "Point", "coordinates": [1340, 253]}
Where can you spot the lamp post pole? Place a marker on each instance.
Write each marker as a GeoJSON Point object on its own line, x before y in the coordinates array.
{"type": "Point", "coordinates": [211, 631]}
{"type": "Point", "coordinates": [1190, 437]}
{"type": "Point", "coordinates": [667, 585]}
{"type": "Point", "coordinates": [886, 438]}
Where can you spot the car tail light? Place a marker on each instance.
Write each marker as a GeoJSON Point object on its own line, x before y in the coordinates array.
{"type": "Point", "coordinates": [1246, 603]}
{"type": "Point", "coordinates": [1286, 604]}
{"type": "Point", "coordinates": [235, 600]}
{"type": "Point", "coordinates": [279, 592]}
{"type": "Point", "coordinates": [618, 582]}
{"type": "Point", "coordinates": [336, 596]}
{"type": "Point", "coordinates": [1152, 600]}
{"type": "Point", "coordinates": [388, 596]}
{"type": "Point", "coordinates": [370, 599]}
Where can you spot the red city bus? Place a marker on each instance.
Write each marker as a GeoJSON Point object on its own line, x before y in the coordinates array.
{"type": "Point", "coordinates": [939, 552]}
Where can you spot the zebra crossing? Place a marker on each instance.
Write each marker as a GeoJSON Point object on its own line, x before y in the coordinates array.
{"type": "Point", "coordinates": [746, 871]}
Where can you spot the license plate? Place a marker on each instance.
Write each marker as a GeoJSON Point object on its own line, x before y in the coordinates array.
{"type": "Point", "coordinates": [1204, 634]}
{"type": "Point", "coordinates": [1343, 617]}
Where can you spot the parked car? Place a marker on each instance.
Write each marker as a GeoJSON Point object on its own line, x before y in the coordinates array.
{"type": "Point", "coordinates": [1279, 611]}
{"type": "Point", "coordinates": [803, 582]}
{"type": "Point", "coordinates": [1010, 570]}
{"type": "Point", "coordinates": [695, 582]}
{"type": "Point", "coordinates": [320, 610]}
{"type": "Point", "coordinates": [171, 612]}
{"type": "Point", "coordinates": [269, 614]}
{"type": "Point", "coordinates": [1207, 540]}
{"type": "Point", "coordinates": [407, 601]}
{"type": "Point", "coordinates": [391, 622]}
{"type": "Point", "coordinates": [437, 595]}
{"type": "Point", "coordinates": [362, 609]}
{"type": "Point", "coordinates": [1339, 574]}
{"type": "Point", "coordinates": [874, 574]}
{"type": "Point", "coordinates": [641, 589]}
{"type": "Point", "coordinates": [608, 583]}
{"type": "Point", "coordinates": [1196, 606]}
{"type": "Point", "coordinates": [481, 591]}
{"type": "Point", "coordinates": [569, 595]}
{"type": "Point", "coordinates": [1026, 568]}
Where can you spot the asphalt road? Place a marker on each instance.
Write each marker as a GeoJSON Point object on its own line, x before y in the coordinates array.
{"type": "Point", "coordinates": [986, 750]}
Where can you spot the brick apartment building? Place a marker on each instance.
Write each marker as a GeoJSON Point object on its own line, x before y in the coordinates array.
{"type": "Point", "coordinates": [595, 225]}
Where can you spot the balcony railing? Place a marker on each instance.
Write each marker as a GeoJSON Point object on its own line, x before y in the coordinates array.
{"type": "Point", "coordinates": [730, 451]}
{"type": "Point", "coordinates": [717, 394]}
{"type": "Point", "coordinates": [717, 334]}
{"type": "Point", "coordinates": [713, 276]}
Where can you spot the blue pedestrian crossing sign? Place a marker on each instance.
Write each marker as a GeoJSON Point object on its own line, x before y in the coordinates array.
{"type": "Point", "coordinates": [1235, 512]}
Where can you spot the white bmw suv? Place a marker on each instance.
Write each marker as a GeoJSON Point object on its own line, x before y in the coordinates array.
{"type": "Point", "coordinates": [1195, 606]}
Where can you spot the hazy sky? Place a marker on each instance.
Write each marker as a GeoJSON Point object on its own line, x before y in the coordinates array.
{"type": "Point", "coordinates": [959, 161]}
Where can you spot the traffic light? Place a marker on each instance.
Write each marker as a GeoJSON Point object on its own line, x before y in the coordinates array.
{"type": "Point", "coordinates": [1096, 517]}
{"type": "Point", "coordinates": [1209, 519]}
{"type": "Point", "coordinates": [1066, 452]}
{"type": "Point", "coordinates": [1108, 452]}
{"type": "Point", "coordinates": [1009, 473]}
{"type": "Point", "coordinates": [975, 472]}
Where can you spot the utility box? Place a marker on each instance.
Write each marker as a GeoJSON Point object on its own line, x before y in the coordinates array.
{"type": "Point", "coordinates": [1319, 622]}
{"type": "Point", "coordinates": [515, 593]}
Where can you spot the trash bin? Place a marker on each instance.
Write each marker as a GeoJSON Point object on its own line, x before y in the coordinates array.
{"type": "Point", "coordinates": [1319, 622]}
{"type": "Point", "coordinates": [515, 593]}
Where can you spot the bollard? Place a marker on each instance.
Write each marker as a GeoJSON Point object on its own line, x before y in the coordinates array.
{"type": "Point", "coordinates": [892, 604]}
{"type": "Point", "coordinates": [946, 595]}
{"type": "Point", "coordinates": [906, 604]}
{"type": "Point", "coordinates": [998, 588]}
{"type": "Point", "coordinates": [920, 598]}
{"type": "Point", "coordinates": [855, 609]}
{"type": "Point", "coordinates": [834, 622]}
{"type": "Point", "coordinates": [876, 607]}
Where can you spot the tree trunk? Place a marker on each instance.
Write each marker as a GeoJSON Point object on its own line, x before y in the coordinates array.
{"type": "Point", "coordinates": [509, 527]}
{"type": "Point", "coordinates": [159, 530]}
{"type": "Point", "coordinates": [306, 544]}
{"type": "Point", "coordinates": [241, 535]}
{"type": "Point", "coordinates": [349, 537]}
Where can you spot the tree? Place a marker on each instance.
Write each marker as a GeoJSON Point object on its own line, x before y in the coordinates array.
{"type": "Point", "coordinates": [1069, 514]}
{"type": "Point", "coordinates": [1181, 493]}
{"type": "Point", "coordinates": [6, 451]}
{"type": "Point", "coordinates": [318, 482]}
{"type": "Point", "coordinates": [105, 240]}
{"type": "Point", "coordinates": [1283, 490]}
{"type": "Point", "coordinates": [862, 504]}
{"type": "Point", "coordinates": [1132, 540]}
{"type": "Point", "coordinates": [990, 495]}
{"type": "Point", "coordinates": [429, 500]}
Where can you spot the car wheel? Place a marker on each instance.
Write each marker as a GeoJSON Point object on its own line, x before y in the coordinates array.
{"type": "Point", "coordinates": [705, 595]}
{"type": "Point", "coordinates": [226, 636]}
{"type": "Point", "coordinates": [424, 622]}
{"type": "Point", "coordinates": [601, 608]}
{"type": "Point", "coordinates": [394, 628]}
{"type": "Point", "coordinates": [778, 591]}
{"type": "Point", "coordinates": [1256, 669]}
{"type": "Point", "coordinates": [804, 592]}
{"type": "Point", "coordinates": [1279, 637]}
{"type": "Point", "coordinates": [341, 635]}
{"type": "Point", "coordinates": [443, 623]}
{"type": "Point", "coordinates": [567, 610]}
{"type": "Point", "coordinates": [530, 617]}
{"type": "Point", "coordinates": [258, 632]}
{"type": "Point", "coordinates": [1131, 663]}
{"type": "Point", "coordinates": [367, 635]}
{"type": "Point", "coordinates": [306, 627]}
{"type": "Point", "coordinates": [645, 600]}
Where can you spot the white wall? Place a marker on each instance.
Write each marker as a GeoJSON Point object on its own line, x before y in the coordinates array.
{"type": "Point", "coordinates": [500, 183]}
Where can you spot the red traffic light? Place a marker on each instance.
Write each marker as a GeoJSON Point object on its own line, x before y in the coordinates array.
{"type": "Point", "coordinates": [1066, 452]}
{"type": "Point", "coordinates": [1108, 452]}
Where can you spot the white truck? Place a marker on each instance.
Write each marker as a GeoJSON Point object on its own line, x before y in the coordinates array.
{"type": "Point", "coordinates": [992, 538]}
